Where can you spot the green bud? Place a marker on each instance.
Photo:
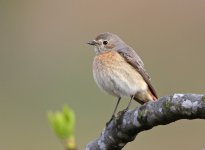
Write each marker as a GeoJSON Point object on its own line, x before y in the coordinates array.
{"type": "Point", "coordinates": [63, 123]}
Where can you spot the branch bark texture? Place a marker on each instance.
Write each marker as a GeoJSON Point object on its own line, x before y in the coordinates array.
{"type": "Point", "coordinates": [125, 127]}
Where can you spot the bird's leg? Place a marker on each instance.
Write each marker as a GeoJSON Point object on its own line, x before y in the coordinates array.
{"type": "Point", "coordinates": [113, 115]}
{"type": "Point", "coordinates": [128, 106]}
{"type": "Point", "coordinates": [118, 101]}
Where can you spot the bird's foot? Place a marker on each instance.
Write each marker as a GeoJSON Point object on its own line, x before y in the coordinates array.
{"type": "Point", "coordinates": [120, 113]}
{"type": "Point", "coordinates": [125, 110]}
{"type": "Point", "coordinates": [113, 116]}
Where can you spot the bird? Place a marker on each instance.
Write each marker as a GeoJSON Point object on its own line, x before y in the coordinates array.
{"type": "Point", "coordinates": [119, 71]}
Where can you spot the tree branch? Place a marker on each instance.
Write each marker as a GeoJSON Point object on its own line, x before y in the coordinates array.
{"type": "Point", "coordinates": [125, 127]}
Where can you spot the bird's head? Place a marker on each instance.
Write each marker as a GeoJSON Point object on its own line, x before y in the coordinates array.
{"type": "Point", "coordinates": [106, 41]}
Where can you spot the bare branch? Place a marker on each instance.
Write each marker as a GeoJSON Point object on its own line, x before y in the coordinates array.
{"type": "Point", "coordinates": [127, 125]}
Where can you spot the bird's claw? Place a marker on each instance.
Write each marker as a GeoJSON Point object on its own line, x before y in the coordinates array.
{"type": "Point", "coordinates": [113, 116]}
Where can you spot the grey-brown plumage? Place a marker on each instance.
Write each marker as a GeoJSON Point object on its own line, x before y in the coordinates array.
{"type": "Point", "coordinates": [119, 71]}
{"type": "Point", "coordinates": [134, 60]}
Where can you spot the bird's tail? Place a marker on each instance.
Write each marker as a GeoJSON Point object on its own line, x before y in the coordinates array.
{"type": "Point", "coordinates": [143, 98]}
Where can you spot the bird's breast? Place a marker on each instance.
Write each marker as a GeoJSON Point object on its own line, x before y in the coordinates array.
{"type": "Point", "coordinates": [114, 75]}
{"type": "Point", "coordinates": [108, 58]}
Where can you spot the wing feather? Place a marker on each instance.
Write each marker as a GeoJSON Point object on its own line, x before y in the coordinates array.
{"type": "Point", "coordinates": [134, 60]}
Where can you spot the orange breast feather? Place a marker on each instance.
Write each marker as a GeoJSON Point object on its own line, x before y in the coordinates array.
{"type": "Point", "coordinates": [109, 58]}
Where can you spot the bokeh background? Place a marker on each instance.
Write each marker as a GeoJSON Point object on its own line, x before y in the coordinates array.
{"type": "Point", "coordinates": [45, 64]}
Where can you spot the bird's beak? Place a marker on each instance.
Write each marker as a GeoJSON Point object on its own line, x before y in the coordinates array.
{"type": "Point", "coordinates": [93, 42]}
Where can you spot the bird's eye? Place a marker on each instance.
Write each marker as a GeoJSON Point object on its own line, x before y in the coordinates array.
{"type": "Point", "coordinates": [105, 42]}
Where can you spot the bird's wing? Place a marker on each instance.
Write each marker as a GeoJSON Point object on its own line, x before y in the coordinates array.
{"type": "Point", "coordinates": [134, 60]}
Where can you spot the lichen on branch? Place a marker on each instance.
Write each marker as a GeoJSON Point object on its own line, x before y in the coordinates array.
{"type": "Point", "coordinates": [125, 127]}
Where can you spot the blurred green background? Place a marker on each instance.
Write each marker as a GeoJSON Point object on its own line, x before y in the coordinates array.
{"type": "Point", "coordinates": [45, 64]}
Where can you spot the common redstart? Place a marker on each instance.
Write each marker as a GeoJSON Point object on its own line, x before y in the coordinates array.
{"type": "Point", "coordinates": [118, 70]}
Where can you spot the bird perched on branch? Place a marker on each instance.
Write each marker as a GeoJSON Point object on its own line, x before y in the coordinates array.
{"type": "Point", "coordinates": [118, 70]}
